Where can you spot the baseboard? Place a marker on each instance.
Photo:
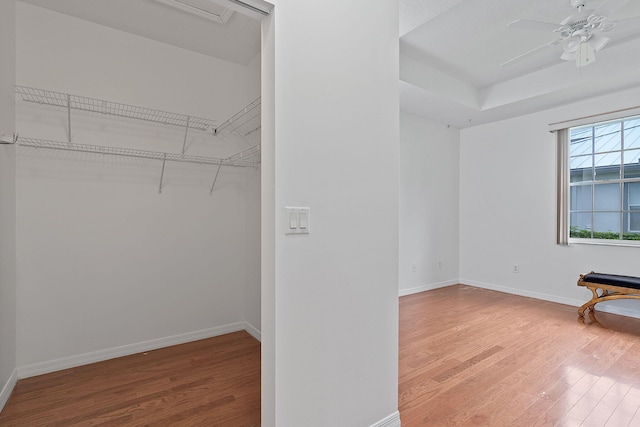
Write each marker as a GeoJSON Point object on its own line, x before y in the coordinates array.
{"type": "Point", "coordinates": [603, 306]}
{"type": "Point", "coordinates": [428, 287]}
{"type": "Point", "coordinates": [125, 350]}
{"type": "Point", "coordinates": [609, 307]}
{"type": "Point", "coordinates": [7, 389]}
{"type": "Point", "coordinates": [392, 420]}
{"type": "Point", "coordinates": [253, 331]}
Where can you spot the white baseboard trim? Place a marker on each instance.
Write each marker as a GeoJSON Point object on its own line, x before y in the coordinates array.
{"type": "Point", "coordinates": [392, 420]}
{"type": "Point", "coordinates": [523, 292]}
{"type": "Point", "coordinates": [253, 331]}
{"type": "Point", "coordinates": [428, 287]}
{"type": "Point", "coordinates": [7, 389]}
{"type": "Point", "coordinates": [603, 306]}
{"type": "Point", "coordinates": [125, 350]}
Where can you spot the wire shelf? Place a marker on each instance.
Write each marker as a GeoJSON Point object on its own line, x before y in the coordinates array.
{"type": "Point", "coordinates": [84, 103]}
{"type": "Point", "coordinates": [249, 153]}
{"type": "Point", "coordinates": [236, 160]}
{"type": "Point", "coordinates": [242, 117]}
{"type": "Point", "coordinates": [249, 157]}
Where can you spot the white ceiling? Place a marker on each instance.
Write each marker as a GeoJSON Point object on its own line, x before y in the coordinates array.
{"type": "Point", "coordinates": [450, 51]}
{"type": "Point", "coordinates": [237, 40]}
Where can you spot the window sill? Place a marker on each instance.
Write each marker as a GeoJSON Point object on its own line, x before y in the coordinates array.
{"type": "Point", "coordinates": [604, 242]}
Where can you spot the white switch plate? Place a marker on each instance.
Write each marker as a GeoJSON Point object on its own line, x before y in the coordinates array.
{"type": "Point", "coordinates": [298, 220]}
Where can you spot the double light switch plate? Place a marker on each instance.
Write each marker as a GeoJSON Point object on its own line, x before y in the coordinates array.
{"type": "Point", "coordinates": [298, 220]}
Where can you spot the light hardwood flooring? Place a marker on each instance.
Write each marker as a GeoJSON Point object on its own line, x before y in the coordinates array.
{"type": "Point", "coordinates": [212, 382]}
{"type": "Point", "coordinates": [468, 357]}
{"type": "Point", "coordinates": [474, 357]}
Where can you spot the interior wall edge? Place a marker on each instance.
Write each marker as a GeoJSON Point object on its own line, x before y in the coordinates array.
{"type": "Point", "coordinates": [7, 389]}
{"type": "Point", "coordinates": [46, 367]}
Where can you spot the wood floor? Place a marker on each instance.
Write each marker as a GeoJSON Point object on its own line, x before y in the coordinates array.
{"type": "Point", "coordinates": [213, 382]}
{"type": "Point", "coordinates": [474, 357]}
{"type": "Point", "coordinates": [468, 357]}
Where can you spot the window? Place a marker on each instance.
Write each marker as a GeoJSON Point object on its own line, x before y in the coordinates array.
{"type": "Point", "coordinates": [604, 180]}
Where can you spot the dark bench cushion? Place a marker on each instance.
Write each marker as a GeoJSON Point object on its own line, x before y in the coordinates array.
{"type": "Point", "coordinates": [613, 280]}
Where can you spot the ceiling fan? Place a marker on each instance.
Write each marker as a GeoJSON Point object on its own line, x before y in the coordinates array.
{"type": "Point", "coordinates": [579, 34]}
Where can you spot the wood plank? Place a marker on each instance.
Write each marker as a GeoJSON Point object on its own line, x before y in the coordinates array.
{"type": "Point", "coordinates": [209, 382]}
{"type": "Point", "coordinates": [553, 368]}
{"type": "Point", "coordinates": [468, 357]}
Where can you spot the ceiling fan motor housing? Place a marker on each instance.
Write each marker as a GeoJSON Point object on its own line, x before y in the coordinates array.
{"type": "Point", "coordinates": [584, 26]}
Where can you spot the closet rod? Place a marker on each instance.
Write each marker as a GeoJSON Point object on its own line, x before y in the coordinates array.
{"type": "Point", "coordinates": [234, 160]}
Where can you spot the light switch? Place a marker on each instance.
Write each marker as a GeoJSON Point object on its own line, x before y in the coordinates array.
{"type": "Point", "coordinates": [297, 220]}
{"type": "Point", "coordinates": [303, 220]}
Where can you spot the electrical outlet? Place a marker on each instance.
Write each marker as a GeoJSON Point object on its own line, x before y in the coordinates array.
{"type": "Point", "coordinates": [439, 264]}
{"type": "Point", "coordinates": [516, 268]}
{"type": "Point", "coordinates": [413, 267]}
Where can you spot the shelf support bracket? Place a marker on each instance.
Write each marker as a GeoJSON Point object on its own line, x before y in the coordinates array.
{"type": "Point", "coordinates": [164, 160]}
{"type": "Point", "coordinates": [215, 179]}
{"type": "Point", "coordinates": [69, 115]}
{"type": "Point", "coordinates": [186, 131]}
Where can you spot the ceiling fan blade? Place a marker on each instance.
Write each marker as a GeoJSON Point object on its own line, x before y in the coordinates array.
{"type": "Point", "coordinates": [625, 22]}
{"type": "Point", "coordinates": [526, 24]}
{"type": "Point", "coordinates": [530, 52]}
{"type": "Point", "coordinates": [608, 8]}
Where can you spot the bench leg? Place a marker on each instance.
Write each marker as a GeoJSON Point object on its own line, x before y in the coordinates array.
{"type": "Point", "coordinates": [583, 307]}
{"type": "Point", "coordinates": [591, 303]}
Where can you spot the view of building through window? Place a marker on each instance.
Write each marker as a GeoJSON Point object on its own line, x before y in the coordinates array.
{"type": "Point", "coordinates": [605, 180]}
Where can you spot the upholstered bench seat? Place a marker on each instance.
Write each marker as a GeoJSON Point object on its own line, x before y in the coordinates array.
{"type": "Point", "coordinates": [611, 287]}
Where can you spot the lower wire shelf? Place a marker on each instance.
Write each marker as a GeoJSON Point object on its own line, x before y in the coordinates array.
{"type": "Point", "coordinates": [234, 160]}
{"type": "Point", "coordinates": [240, 159]}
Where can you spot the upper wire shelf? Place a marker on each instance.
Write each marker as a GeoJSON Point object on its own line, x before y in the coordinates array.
{"type": "Point", "coordinates": [84, 103]}
{"type": "Point", "coordinates": [242, 117]}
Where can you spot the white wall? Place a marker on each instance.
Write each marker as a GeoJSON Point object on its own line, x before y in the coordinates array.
{"type": "Point", "coordinates": [106, 265]}
{"type": "Point", "coordinates": [7, 204]}
{"type": "Point", "coordinates": [429, 187]}
{"type": "Point", "coordinates": [508, 208]}
{"type": "Point", "coordinates": [330, 299]}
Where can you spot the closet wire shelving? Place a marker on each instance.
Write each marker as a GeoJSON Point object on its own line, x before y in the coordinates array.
{"type": "Point", "coordinates": [245, 158]}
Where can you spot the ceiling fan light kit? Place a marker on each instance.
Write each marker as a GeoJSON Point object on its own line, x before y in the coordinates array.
{"type": "Point", "coordinates": [579, 33]}
{"type": "Point", "coordinates": [585, 55]}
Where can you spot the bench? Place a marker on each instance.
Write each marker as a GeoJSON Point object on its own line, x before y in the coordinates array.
{"type": "Point", "coordinates": [611, 286]}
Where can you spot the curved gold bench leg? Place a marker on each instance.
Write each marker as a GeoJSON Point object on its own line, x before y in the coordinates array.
{"type": "Point", "coordinates": [589, 304]}
{"type": "Point", "coordinates": [583, 307]}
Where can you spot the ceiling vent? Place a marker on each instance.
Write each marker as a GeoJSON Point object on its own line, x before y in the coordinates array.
{"type": "Point", "coordinates": [204, 8]}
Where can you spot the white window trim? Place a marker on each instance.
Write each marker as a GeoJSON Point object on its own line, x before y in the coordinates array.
{"type": "Point", "coordinates": [596, 118]}
{"type": "Point", "coordinates": [563, 171]}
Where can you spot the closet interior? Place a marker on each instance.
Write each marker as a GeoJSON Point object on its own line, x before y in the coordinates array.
{"type": "Point", "coordinates": [138, 188]}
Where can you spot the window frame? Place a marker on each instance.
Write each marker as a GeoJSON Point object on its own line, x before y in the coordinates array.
{"type": "Point", "coordinates": [565, 185]}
